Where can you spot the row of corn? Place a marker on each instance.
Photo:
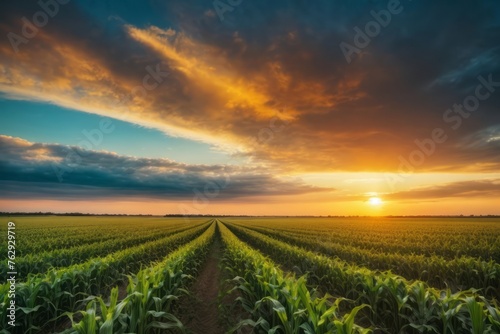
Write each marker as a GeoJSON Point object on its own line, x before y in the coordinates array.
{"type": "Point", "coordinates": [151, 294]}
{"type": "Point", "coordinates": [446, 237]}
{"type": "Point", "coordinates": [280, 303]}
{"type": "Point", "coordinates": [41, 300]}
{"type": "Point", "coordinates": [42, 261]}
{"type": "Point", "coordinates": [396, 305]}
{"type": "Point", "coordinates": [38, 235]}
{"type": "Point", "coordinates": [460, 273]}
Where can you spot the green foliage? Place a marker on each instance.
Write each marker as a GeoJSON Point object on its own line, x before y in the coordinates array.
{"type": "Point", "coordinates": [455, 271]}
{"type": "Point", "coordinates": [279, 303]}
{"type": "Point", "coordinates": [397, 305]}
{"type": "Point", "coordinates": [42, 261]}
{"type": "Point", "coordinates": [42, 298]}
{"type": "Point", "coordinates": [150, 294]}
{"type": "Point", "coordinates": [355, 276]}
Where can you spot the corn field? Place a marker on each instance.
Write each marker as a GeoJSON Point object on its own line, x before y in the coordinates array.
{"type": "Point", "coordinates": [279, 275]}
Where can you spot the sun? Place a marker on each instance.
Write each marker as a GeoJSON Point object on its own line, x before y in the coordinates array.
{"type": "Point", "coordinates": [375, 201]}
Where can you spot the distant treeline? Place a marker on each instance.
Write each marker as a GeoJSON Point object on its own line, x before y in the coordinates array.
{"type": "Point", "coordinates": [330, 216]}
{"type": "Point", "coordinates": [69, 214]}
{"type": "Point", "coordinates": [209, 215]}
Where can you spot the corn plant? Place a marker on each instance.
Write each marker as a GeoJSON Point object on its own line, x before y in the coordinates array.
{"type": "Point", "coordinates": [279, 303]}
{"type": "Point", "coordinates": [43, 261]}
{"type": "Point", "coordinates": [402, 306]}
{"type": "Point", "coordinates": [463, 272]}
{"type": "Point", "coordinates": [41, 299]}
{"type": "Point", "coordinates": [151, 294]}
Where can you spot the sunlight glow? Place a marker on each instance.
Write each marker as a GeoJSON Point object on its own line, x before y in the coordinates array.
{"type": "Point", "coordinates": [375, 201]}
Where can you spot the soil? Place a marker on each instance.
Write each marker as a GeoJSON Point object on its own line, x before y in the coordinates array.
{"type": "Point", "coordinates": [203, 311]}
{"type": "Point", "coordinates": [199, 311]}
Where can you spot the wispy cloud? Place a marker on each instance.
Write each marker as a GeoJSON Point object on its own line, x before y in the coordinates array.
{"type": "Point", "coordinates": [488, 188]}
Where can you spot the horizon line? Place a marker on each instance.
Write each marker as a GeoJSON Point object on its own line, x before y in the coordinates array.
{"type": "Point", "coordinates": [75, 214]}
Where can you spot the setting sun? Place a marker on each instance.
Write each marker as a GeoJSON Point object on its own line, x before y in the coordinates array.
{"type": "Point", "coordinates": [375, 201]}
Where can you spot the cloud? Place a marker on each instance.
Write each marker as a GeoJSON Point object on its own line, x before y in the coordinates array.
{"type": "Point", "coordinates": [488, 188]}
{"type": "Point", "coordinates": [487, 139]}
{"type": "Point", "coordinates": [272, 62]}
{"type": "Point", "coordinates": [30, 170]}
{"type": "Point", "coordinates": [485, 188]}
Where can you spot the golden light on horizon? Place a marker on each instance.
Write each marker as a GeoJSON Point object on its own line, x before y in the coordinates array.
{"type": "Point", "coordinates": [375, 201]}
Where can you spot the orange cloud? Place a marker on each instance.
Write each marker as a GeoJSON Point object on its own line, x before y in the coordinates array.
{"type": "Point", "coordinates": [286, 106]}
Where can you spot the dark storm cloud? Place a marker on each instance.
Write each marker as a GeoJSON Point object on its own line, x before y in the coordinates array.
{"type": "Point", "coordinates": [31, 170]}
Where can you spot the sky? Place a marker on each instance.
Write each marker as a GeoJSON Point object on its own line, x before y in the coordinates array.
{"type": "Point", "coordinates": [250, 107]}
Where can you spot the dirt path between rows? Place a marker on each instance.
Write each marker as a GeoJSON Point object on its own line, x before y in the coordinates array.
{"type": "Point", "coordinates": [205, 291]}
